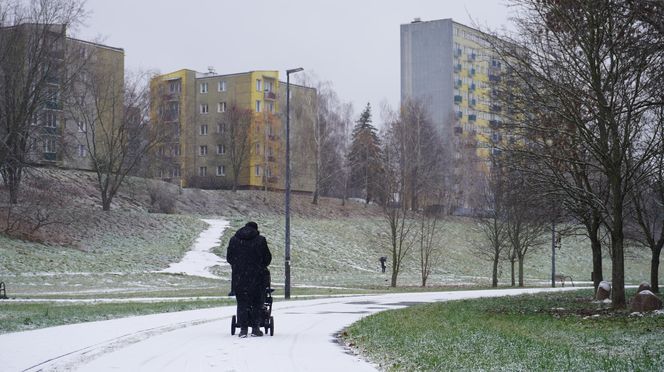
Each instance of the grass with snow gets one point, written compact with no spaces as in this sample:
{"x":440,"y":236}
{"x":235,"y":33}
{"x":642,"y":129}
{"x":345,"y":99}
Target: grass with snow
{"x":16,"y":317}
{"x":552,"y":331}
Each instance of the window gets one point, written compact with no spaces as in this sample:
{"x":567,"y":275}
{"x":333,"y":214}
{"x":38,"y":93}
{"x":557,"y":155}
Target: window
{"x":221,"y":128}
{"x":174,"y":86}
{"x":82,"y":127}
{"x":82,"y":151}
{"x":221,"y":86}
{"x":258,"y":148}
{"x":175,"y":172}
{"x":258,"y":170}
{"x":175,"y":150}
{"x":271,"y":106}
{"x":202,"y":171}
{"x":268,"y":85}
{"x":221,"y":107}
{"x":203,"y":150}
{"x":49,"y":145}
{"x":160,"y":151}
{"x":221,"y":170}
{"x":51,"y":119}
{"x":161,"y":173}
{"x":258,"y":85}
{"x":204,"y":87}
{"x":221,"y":149}
{"x":204,"y":130}
{"x":204,"y":108}
{"x":258,"y":106}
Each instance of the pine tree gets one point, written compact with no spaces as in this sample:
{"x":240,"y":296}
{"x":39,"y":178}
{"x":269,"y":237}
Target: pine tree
{"x":364,"y":157}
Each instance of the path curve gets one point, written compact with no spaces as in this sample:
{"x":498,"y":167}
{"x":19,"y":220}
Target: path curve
{"x":200,"y":340}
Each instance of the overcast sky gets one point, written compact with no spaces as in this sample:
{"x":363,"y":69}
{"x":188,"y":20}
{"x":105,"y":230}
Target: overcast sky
{"x":352,"y":43}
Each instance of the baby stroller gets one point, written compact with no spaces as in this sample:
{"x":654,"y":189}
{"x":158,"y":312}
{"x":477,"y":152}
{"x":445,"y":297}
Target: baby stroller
{"x":267,"y":321}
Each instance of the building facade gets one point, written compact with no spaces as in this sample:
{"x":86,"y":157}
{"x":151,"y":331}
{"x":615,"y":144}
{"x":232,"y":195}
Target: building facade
{"x":450,"y":68}
{"x":199,"y":109}
{"x":61,"y":70}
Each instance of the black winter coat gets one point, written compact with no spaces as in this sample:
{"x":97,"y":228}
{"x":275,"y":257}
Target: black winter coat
{"x":249,"y":257}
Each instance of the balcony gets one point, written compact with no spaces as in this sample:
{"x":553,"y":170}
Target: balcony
{"x":273,"y":179}
{"x":472,"y":117}
{"x":458,"y":99}
{"x":458,"y":130}
{"x":271,"y":158}
{"x":270,"y":96}
{"x":273,"y":137}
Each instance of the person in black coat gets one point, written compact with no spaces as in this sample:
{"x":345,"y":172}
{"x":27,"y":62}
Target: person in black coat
{"x":249,"y":257}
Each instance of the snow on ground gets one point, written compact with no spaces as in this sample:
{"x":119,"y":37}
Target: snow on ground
{"x":199,"y":259}
{"x":200,"y":340}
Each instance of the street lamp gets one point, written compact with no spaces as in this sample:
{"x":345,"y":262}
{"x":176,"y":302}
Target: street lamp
{"x":287,"y":256}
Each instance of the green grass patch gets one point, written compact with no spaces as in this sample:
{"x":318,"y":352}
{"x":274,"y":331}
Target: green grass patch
{"x":555,"y":331}
{"x":16,"y":317}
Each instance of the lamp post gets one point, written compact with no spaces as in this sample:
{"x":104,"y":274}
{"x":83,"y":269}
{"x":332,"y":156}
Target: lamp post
{"x":287,"y":255}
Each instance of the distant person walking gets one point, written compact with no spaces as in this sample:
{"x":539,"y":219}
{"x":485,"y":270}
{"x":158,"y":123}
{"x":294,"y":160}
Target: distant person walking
{"x":382,"y":262}
{"x":249,"y":257}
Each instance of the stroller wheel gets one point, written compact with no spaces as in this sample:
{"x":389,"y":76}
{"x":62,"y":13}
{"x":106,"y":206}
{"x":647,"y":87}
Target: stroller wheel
{"x":271,"y":326}
{"x":233,"y":325}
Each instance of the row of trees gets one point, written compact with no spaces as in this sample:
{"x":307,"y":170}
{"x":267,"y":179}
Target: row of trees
{"x":584,"y":84}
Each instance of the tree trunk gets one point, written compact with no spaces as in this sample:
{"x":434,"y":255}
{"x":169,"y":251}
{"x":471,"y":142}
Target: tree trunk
{"x":315,"y":199}
{"x":654,"y":269}
{"x":521,"y":284}
{"x":596,"y":247}
{"x":105,"y":203}
{"x":494,"y":274}
{"x":512,"y":272}
{"x":617,"y":246}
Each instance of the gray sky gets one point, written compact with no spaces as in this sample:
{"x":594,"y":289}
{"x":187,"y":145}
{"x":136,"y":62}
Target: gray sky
{"x":353,"y":44}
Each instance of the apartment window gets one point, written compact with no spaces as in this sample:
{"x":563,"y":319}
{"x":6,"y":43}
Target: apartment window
{"x":161,"y":151}
{"x":204,"y":108}
{"x":203,"y":150}
{"x":221,"y":149}
{"x":82,"y":151}
{"x":49,"y":145}
{"x":82,"y":126}
{"x":175,"y":150}
{"x":202,"y":171}
{"x":204,"y":130}
{"x":204,"y":87}
{"x":161,"y":173}
{"x":221,"y":86}
{"x":51,"y":119}
{"x":271,"y":106}
{"x":268,"y":85}
{"x":221,"y":170}
{"x":174,"y":86}
{"x":258,"y":106}
{"x":258,"y":85}
{"x":175,"y":172}
{"x":221,"y":107}
{"x":258,"y":170}
{"x":258,"y":148}
{"x":221,"y":128}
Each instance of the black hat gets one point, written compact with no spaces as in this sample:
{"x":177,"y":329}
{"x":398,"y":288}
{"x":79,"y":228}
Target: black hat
{"x":252,"y":224}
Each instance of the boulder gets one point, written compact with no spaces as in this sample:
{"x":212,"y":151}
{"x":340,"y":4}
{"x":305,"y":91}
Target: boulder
{"x":645,"y":301}
{"x":644,"y":286}
{"x":603,"y":291}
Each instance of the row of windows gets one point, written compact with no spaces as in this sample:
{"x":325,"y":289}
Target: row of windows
{"x":175,"y":172}
{"x":221,"y":86}
{"x":203,"y":130}
{"x":203,"y":150}
{"x":221,"y":171}
{"x":221,"y":107}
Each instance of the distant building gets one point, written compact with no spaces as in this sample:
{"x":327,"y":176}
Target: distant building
{"x":193,"y":105}
{"x":59,"y":134}
{"x":450,"y":68}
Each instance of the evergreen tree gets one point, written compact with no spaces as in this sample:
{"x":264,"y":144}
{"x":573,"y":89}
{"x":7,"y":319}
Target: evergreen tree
{"x":364,"y":157}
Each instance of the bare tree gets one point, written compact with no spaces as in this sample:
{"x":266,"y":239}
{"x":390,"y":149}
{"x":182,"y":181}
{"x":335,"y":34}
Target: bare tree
{"x":35,"y":71}
{"x":114,"y":113}
{"x":236,"y":122}
{"x":492,"y":219}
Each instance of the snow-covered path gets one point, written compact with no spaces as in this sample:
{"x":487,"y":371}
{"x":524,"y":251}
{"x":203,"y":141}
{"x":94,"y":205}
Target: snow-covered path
{"x":199,"y":259}
{"x":200,"y":340}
